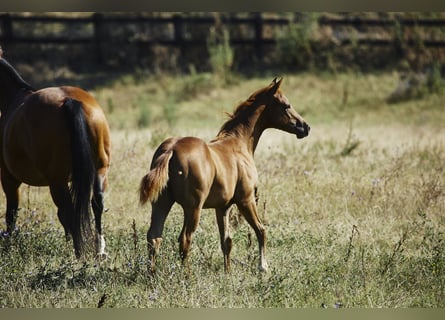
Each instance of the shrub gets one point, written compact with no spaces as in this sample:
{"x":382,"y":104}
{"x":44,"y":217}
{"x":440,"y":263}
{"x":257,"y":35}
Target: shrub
{"x":144,"y":113}
{"x":294,"y":44}
{"x":220,"y":52}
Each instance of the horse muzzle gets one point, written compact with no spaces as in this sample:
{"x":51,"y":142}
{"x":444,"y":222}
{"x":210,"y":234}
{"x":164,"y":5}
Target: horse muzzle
{"x":302,"y":130}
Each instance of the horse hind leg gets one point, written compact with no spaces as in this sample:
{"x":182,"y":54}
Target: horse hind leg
{"x":97,"y":204}
{"x":62,"y":199}
{"x":160,"y":209}
{"x":191,"y":221}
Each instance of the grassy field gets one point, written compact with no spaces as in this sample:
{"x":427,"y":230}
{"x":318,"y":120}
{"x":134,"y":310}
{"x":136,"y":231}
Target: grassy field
{"x":354,"y":212}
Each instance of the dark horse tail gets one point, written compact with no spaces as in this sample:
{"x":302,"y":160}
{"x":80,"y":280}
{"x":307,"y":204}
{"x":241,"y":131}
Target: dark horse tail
{"x":82,"y":175}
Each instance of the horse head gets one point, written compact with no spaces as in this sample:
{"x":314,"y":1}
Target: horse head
{"x":279,"y":112}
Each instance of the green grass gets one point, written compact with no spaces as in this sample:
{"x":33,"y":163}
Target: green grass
{"x":354,"y":213}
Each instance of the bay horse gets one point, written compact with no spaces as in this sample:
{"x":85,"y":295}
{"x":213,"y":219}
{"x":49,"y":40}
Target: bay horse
{"x":57,"y":137}
{"x":199,"y":175}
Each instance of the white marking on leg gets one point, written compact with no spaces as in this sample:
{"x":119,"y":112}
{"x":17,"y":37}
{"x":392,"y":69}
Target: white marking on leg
{"x":100,"y":245}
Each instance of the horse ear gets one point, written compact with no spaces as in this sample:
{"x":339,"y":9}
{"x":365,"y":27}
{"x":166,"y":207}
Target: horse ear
{"x":275,"y":85}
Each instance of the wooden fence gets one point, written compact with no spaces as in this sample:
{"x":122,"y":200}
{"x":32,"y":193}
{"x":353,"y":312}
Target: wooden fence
{"x":178,"y":30}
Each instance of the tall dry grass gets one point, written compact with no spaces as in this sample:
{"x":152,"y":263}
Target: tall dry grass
{"x":354,"y":212}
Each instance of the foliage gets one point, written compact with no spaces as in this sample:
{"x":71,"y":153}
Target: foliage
{"x":133,"y":43}
{"x":418,"y":85}
{"x":295,"y":45}
{"x":193,"y":85}
{"x":221,"y":54}
{"x":144,"y":115}
{"x":435,"y":81}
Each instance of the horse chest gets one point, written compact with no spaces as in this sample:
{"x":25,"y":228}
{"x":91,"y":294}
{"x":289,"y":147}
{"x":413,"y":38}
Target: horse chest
{"x":238,"y":182}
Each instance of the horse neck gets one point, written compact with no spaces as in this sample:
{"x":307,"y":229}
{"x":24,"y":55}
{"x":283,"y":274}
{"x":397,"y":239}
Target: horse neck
{"x":10,"y":98}
{"x":12,"y":86}
{"x":246,"y":128}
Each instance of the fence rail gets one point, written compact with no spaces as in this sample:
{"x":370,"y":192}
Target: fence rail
{"x":99,"y":32}
{"x":97,"y":20}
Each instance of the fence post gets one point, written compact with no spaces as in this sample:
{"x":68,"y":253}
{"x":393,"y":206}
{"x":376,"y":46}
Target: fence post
{"x":7,"y":32}
{"x":98,"y":27}
{"x":258,"y":23}
{"x":178,"y":24}
{"x":399,"y":37}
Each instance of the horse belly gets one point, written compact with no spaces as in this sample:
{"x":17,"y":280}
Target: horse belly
{"x":220,"y":195}
{"x":194,"y":195}
{"x":33,"y":157}
{"x":219,"y":201}
{"x":23,"y":169}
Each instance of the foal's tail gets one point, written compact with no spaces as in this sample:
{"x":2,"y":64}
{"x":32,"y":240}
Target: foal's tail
{"x":82,"y":175}
{"x":156,"y":180}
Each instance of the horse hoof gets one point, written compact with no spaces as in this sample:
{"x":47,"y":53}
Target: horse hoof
{"x":102,"y":256}
{"x":263,"y":268}
{"x":151,"y":271}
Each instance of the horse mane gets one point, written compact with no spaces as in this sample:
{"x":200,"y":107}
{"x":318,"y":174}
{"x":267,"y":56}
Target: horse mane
{"x":15,"y":75}
{"x":237,"y":116}
{"x":240,"y":116}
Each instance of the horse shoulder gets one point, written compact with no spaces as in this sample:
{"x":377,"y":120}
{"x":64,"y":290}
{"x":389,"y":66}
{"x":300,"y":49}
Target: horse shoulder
{"x":247,"y":176}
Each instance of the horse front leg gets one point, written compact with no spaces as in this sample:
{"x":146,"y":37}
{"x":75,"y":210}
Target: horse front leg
{"x":191,"y":221}
{"x":222,"y":217}
{"x":11,"y":189}
{"x":249,"y":211}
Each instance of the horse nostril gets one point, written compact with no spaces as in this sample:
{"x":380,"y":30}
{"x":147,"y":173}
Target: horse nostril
{"x":307,"y":127}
